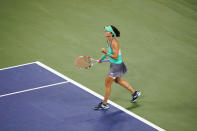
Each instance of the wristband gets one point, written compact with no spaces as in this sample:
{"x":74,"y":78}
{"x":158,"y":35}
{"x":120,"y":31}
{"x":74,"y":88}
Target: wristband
{"x":109,"y":54}
{"x":103,"y":57}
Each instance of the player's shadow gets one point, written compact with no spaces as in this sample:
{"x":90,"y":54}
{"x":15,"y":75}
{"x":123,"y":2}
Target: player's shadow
{"x":134,"y":105}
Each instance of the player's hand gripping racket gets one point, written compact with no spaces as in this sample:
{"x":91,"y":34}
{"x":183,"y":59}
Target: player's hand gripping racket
{"x":85,"y":62}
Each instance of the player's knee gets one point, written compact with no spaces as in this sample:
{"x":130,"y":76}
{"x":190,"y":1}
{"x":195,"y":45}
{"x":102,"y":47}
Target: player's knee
{"x":108,"y":82}
{"x":117,"y":80}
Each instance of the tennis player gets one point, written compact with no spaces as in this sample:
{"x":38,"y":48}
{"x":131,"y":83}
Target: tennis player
{"x":117,"y":67}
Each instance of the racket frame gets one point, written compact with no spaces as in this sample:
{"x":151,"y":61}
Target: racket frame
{"x":92,"y":62}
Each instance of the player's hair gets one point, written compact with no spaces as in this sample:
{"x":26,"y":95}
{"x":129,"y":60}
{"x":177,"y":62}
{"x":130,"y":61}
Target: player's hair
{"x":116,"y":31}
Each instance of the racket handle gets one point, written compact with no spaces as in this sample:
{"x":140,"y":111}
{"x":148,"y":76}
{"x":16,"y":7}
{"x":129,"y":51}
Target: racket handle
{"x":107,"y":60}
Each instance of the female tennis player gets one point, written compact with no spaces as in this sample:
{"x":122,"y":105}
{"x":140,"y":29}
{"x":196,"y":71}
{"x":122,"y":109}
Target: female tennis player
{"x":117,"y":67}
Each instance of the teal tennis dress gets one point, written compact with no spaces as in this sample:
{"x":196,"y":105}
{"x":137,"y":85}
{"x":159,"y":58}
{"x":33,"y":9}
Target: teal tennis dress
{"x":117,"y":66}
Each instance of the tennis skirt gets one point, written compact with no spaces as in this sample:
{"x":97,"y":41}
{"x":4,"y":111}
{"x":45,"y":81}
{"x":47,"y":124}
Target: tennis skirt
{"x":117,"y":70}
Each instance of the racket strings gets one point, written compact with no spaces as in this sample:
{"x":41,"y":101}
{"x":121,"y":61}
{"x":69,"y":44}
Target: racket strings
{"x":83,"y":62}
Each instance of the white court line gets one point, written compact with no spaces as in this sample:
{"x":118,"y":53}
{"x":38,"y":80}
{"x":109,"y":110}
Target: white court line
{"x":17,"y":66}
{"x":101,"y":97}
{"x":41,"y":87}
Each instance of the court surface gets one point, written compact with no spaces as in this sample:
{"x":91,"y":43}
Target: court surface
{"x":35,"y":97}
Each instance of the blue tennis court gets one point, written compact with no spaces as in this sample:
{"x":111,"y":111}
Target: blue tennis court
{"x":35,"y":97}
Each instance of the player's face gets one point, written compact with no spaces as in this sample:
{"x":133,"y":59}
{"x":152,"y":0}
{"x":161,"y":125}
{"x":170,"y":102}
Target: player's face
{"x":107,"y":34}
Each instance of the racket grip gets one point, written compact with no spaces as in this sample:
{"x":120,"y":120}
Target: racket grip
{"x":107,"y":60}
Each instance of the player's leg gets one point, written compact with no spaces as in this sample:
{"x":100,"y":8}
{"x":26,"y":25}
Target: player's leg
{"x":103,"y":104}
{"x":126,"y":85}
{"x":108,"y":83}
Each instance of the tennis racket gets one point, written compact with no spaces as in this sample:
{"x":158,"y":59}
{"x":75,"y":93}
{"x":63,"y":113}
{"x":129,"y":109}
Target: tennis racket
{"x":85,"y":62}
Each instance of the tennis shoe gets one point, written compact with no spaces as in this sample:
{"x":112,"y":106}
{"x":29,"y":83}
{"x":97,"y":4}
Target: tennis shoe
{"x":101,"y":106}
{"x":135,"y":96}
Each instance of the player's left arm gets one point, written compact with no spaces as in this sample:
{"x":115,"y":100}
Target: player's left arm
{"x":115,"y":47}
